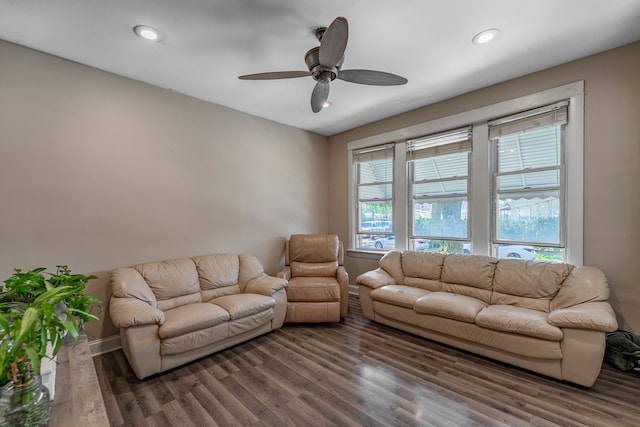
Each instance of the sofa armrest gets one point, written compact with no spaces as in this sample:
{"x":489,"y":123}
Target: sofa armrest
{"x":285,"y":273}
{"x":598,"y":316}
{"x":375,"y":278}
{"x":265,"y":285}
{"x":128,"y":312}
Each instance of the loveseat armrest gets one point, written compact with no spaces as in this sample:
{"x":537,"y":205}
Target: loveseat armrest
{"x":128,"y":312}
{"x":265,"y":285}
{"x":598,"y":316}
{"x":285,"y":273}
{"x":375,"y":278}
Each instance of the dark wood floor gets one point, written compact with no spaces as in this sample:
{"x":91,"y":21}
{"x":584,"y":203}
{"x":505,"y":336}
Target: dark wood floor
{"x":357,"y":373}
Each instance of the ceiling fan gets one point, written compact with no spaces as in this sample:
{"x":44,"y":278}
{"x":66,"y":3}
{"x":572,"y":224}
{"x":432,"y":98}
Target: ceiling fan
{"x":325,"y":62}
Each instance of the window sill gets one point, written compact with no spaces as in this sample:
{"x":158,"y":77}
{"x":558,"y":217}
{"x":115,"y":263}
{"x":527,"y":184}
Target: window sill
{"x":359,"y":253}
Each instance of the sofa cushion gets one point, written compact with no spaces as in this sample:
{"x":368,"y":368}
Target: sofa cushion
{"x":532,"y":279}
{"x":425,"y":265}
{"x":170,"y":280}
{"x":584,"y":284}
{"x":400,"y":295}
{"x":528,"y":284}
{"x":469,"y":270}
{"x":427,"y":284}
{"x":128,"y":283}
{"x":218,"y":271}
{"x":193,"y":317}
{"x":455,"y":332}
{"x":243,"y":305}
{"x":518,"y":320}
{"x":451,"y":306}
{"x":309,"y":289}
{"x":391,"y":262}
{"x":250,"y":323}
{"x":193,"y":340}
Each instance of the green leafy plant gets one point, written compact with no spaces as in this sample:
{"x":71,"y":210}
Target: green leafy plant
{"x":39,"y":308}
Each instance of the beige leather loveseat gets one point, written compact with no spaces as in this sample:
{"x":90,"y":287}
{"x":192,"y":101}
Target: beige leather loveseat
{"x":175,"y":311}
{"x":550,"y":318}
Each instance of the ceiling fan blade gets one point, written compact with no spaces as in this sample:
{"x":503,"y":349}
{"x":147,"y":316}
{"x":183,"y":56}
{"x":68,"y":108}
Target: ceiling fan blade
{"x":319,"y":96}
{"x":371,"y":77}
{"x":275,"y":75}
{"x":334,"y":42}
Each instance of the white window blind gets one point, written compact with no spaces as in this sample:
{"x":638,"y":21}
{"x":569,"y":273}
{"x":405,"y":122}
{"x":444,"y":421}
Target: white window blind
{"x":451,"y":142}
{"x":540,"y":117}
{"x":373,"y":153}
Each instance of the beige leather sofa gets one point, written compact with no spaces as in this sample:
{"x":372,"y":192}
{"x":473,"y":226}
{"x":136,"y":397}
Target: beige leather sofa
{"x":175,"y":311}
{"x":318,"y":284}
{"x":550,"y":318}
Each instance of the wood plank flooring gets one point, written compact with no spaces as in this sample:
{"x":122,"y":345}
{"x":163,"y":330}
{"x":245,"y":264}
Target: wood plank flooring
{"x":357,"y":373}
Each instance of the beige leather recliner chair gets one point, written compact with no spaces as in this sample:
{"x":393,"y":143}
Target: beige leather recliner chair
{"x":317,"y":289}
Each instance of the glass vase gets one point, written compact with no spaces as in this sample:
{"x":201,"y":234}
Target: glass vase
{"x":25,"y":405}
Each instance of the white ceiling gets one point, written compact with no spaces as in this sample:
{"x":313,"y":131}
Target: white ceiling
{"x":207,"y":44}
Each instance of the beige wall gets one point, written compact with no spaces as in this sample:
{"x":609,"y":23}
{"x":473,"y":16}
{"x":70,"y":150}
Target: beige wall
{"x":612,"y":159}
{"x":98,"y":171}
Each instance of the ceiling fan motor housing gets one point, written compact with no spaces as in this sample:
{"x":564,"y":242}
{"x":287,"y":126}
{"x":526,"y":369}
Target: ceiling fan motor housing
{"x":320,"y":73}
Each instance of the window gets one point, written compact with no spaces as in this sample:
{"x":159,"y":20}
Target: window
{"x":439,"y":181}
{"x":373,"y":169}
{"x":471,"y":183}
{"x":528,"y":207}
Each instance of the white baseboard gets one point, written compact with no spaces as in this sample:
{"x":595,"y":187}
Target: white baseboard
{"x":105,"y":345}
{"x":353,"y":289}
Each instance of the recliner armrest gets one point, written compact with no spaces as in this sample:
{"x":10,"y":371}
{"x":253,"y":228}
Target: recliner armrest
{"x":597,"y":316}
{"x":375,"y":278}
{"x":265,"y":285}
{"x":128,"y":312}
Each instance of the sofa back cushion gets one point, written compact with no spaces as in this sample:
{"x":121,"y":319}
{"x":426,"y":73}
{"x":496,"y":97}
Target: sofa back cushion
{"x":218,"y":275}
{"x":422,"y":269}
{"x":470,"y":275}
{"x":173,"y":282}
{"x":584,"y":284}
{"x":528,"y":284}
{"x":391,"y":262}
{"x":128,"y":283}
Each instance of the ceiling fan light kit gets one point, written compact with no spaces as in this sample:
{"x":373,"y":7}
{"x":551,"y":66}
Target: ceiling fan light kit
{"x":324,"y":63}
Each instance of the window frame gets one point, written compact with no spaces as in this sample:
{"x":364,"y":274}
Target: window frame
{"x":480,"y":201}
{"x":561,"y":188}
{"x":412,"y":182}
{"x":357,"y":185}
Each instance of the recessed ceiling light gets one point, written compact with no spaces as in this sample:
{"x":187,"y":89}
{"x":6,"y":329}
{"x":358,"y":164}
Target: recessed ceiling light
{"x":486,"y":36}
{"x":147,"y":33}
{"x":326,"y":104}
